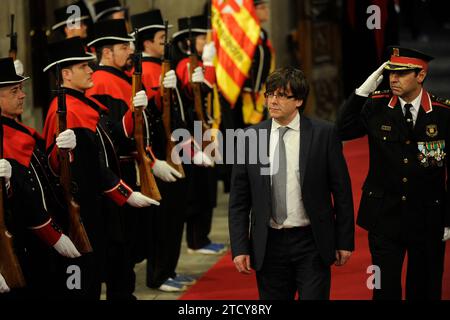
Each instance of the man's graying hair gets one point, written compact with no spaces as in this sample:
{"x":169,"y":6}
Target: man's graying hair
{"x":290,"y":77}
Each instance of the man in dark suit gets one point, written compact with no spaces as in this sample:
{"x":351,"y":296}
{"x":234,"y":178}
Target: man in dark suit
{"x":298,"y":207}
{"x":404,"y":204}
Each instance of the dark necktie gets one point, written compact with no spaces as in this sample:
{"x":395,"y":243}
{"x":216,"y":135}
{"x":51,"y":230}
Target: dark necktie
{"x":409,"y":117}
{"x":279,"y":181}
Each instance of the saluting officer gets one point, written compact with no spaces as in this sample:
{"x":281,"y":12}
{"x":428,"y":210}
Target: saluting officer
{"x":405,"y":201}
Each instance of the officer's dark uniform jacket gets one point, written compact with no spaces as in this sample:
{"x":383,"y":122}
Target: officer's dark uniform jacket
{"x":405,"y":195}
{"x":33,"y":205}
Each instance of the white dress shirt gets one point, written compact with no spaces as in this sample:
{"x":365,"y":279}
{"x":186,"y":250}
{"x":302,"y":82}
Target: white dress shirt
{"x":296,"y":213}
{"x":416,"y":106}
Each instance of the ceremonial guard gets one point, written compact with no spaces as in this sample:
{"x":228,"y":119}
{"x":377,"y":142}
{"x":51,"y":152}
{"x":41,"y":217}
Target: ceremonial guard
{"x":95,"y":167}
{"x":191,"y":39}
{"x":113,"y":87}
{"x":167,"y":223}
{"x":34,"y":212}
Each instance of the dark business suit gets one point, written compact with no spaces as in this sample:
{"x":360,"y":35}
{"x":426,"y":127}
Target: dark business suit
{"x":327,"y":198}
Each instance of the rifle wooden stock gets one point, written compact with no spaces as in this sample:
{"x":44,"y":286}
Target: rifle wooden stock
{"x":147,"y":180}
{"x":76,"y":231}
{"x":209,"y":102}
{"x":216,"y":119}
{"x":9,"y":264}
{"x":198,"y":103}
{"x":166,"y":118}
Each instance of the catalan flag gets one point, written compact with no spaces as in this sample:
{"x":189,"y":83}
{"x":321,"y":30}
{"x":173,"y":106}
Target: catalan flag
{"x":236,"y":35}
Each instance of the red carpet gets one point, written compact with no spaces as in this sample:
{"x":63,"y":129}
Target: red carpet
{"x":223,"y":282}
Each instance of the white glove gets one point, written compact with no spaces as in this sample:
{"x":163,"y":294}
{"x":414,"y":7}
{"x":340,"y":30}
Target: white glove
{"x":5,"y":170}
{"x":66,"y":248}
{"x":66,"y":140}
{"x":209,"y":52}
{"x":138,"y":200}
{"x":372,"y":82}
{"x":446,"y":234}
{"x":140,"y":99}
{"x":197,"y":75}
{"x":170,"y":80}
{"x":201,"y":159}
{"x":165,"y":171}
{"x":3,"y":286}
{"x":18,"y":65}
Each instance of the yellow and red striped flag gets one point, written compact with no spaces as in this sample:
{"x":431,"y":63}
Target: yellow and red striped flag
{"x":236,"y":35}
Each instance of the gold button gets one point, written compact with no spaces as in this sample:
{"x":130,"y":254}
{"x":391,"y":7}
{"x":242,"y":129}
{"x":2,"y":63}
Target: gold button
{"x":408,"y":142}
{"x":405,"y":180}
{"x":404,"y":198}
{"x":384,"y":138}
{"x":405,"y":161}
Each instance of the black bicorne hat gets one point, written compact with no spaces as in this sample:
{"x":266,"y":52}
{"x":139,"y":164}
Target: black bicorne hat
{"x":65,"y":15}
{"x":198,"y":24}
{"x":8,"y":75}
{"x":107,"y":7}
{"x":257,"y":2}
{"x":67,"y":52}
{"x":148,"y":20}
{"x":109,"y":32}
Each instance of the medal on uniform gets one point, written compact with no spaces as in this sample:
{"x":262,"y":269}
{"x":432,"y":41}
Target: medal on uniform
{"x":440,"y":153}
{"x":431,"y":153}
{"x":422,"y":156}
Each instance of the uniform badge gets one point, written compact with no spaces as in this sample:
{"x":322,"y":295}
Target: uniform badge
{"x":386,"y":128}
{"x":431,"y":130}
{"x":396,"y":52}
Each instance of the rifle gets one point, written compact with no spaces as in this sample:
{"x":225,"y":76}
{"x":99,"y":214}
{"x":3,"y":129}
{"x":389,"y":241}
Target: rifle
{"x":212,"y":107}
{"x":166,"y":94}
{"x":193,"y":63}
{"x":13,"y":40}
{"x":77,"y":232}
{"x":198,"y":103}
{"x":9,"y":264}
{"x":147,"y":180}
